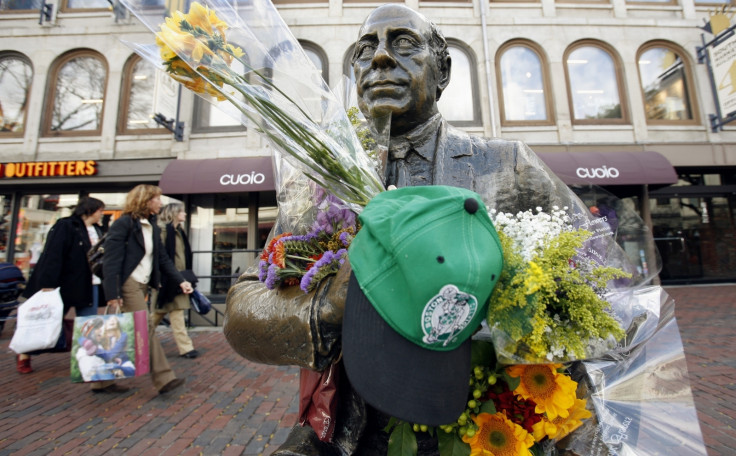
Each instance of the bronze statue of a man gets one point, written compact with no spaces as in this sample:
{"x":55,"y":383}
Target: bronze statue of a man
{"x":401,"y":66}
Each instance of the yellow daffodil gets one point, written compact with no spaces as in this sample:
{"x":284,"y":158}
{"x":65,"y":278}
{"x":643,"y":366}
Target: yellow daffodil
{"x":560,"y":427}
{"x":498,"y":436}
{"x":553,"y":393}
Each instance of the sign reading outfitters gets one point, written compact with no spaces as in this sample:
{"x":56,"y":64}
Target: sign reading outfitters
{"x":221,"y":175}
{"x":68,"y":168}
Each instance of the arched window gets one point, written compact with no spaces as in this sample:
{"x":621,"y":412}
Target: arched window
{"x":459,"y":101}
{"x":594,"y":85}
{"x":145,"y":92}
{"x":666,"y":84}
{"x":318,"y":58}
{"x":76,"y":96}
{"x":211,"y":115}
{"x":16,"y":75}
{"x":524,"y":85}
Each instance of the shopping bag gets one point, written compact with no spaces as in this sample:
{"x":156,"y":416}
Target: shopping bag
{"x":63,"y":343}
{"x":110,"y":347}
{"x":39,"y":322}
{"x":318,"y":400}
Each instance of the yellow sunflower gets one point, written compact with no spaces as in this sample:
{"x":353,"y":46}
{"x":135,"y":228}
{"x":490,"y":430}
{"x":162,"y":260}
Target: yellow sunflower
{"x":560,"y":427}
{"x":553,"y":393}
{"x":497,"y":436}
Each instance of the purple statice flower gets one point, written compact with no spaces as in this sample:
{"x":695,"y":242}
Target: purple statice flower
{"x":272,"y":277}
{"x":326,"y":265}
{"x":346,"y":238}
{"x":262,"y":270}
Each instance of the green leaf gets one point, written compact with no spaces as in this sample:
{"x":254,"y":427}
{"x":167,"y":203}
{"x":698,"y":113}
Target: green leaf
{"x":402,"y":441}
{"x":392,"y":421}
{"x":512,"y":382}
{"x":452,"y":445}
{"x":488,"y":407}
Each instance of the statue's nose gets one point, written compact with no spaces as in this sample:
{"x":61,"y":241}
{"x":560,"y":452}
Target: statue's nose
{"x":382,"y":57}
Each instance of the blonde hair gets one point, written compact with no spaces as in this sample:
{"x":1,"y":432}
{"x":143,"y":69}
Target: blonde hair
{"x":136,"y":202}
{"x":169,"y":213}
{"x":112,"y":329}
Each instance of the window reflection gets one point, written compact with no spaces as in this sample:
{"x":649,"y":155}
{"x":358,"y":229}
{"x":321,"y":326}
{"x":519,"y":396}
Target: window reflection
{"x":458,"y":99}
{"x":218,"y":235}
{"x":213,"y":115}
{"x":593,"y":84}
{"x":15,"y":85}
{"x":79,"y":95}
{"x":9,"y":5}
{"x":523,"y":85}
{"x":151,"y":92}
{"x":664,"y":85}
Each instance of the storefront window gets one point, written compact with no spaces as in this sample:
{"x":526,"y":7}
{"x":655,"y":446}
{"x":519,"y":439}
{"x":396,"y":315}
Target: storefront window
{"x":13,"y":5}
{"x":37,"y":215}
{"x":218,"y":234}
{"x":694,"y":229}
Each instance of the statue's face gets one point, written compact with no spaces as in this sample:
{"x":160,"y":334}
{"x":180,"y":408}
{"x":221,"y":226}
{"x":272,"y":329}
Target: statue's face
{"x":395,"y":68}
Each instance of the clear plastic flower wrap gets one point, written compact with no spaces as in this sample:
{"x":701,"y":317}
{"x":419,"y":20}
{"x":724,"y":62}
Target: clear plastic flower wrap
{"x":247,"y":57}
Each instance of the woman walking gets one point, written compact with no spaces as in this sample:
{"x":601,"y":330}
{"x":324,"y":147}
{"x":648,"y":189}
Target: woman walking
{"x":170,"y":299}
{"x":63,"y":264}
{"x":134,"y":264}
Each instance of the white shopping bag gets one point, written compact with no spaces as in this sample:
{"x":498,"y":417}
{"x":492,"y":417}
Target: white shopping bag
{"x":39,"y":322}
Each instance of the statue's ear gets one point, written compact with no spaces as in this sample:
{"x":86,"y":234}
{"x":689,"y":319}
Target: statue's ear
{"x":444,"y":64}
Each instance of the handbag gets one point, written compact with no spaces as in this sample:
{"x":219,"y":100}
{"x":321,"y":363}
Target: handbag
{"x":110,"y":347}
{"x":318,"y":400}
{"x":200,"y":303}
{"x":95,"y":256}
{"x":39,"y":322}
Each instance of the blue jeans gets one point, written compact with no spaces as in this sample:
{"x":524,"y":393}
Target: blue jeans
{"x":87,"y":311}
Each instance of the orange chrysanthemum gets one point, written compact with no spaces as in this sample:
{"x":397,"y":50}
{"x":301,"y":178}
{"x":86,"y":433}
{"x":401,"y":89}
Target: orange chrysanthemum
{"x":497,"y":436}
{"x":553,"y":393}
{"x":560,"y":427}
{"x":279,"y":255}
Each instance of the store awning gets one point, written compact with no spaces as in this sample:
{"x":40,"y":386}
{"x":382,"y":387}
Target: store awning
{"x":611,"y":168}
{"x":220,"y":175}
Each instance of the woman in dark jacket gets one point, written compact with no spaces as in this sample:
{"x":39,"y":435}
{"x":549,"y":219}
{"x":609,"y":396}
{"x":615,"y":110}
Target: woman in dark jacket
{"x":170,"y":299}
{"x":63,"y":264}
{"x":134,"y":263}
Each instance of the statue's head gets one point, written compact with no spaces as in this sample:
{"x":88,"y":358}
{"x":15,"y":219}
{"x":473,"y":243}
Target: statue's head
{"x":401,"y":66}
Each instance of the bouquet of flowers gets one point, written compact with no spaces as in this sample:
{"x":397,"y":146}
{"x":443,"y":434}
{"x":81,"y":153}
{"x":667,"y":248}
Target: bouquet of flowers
{"x":511,"y":410}
{"x":195,"y":49}
{"x":305,"y":260}
{"x":549,"y":304}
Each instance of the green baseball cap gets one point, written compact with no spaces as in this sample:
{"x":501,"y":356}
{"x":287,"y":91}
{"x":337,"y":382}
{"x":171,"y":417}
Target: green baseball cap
{"x":424,"y":265}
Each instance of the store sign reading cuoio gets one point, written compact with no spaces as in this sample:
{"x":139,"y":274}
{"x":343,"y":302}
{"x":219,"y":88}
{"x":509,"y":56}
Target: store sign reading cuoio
{"x":68,"y":168}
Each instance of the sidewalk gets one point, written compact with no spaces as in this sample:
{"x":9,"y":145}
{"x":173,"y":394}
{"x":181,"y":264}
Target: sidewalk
{"x":230,"y":406}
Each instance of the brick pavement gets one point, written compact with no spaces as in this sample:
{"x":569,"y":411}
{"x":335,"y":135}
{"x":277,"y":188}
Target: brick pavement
{"x":230,"y":406}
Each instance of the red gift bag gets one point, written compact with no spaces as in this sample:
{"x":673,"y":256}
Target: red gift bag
{"x":318,"y":400}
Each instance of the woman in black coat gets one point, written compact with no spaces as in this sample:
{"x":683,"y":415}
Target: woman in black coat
{"x":134,"y":263}
{"x":63,"y":264}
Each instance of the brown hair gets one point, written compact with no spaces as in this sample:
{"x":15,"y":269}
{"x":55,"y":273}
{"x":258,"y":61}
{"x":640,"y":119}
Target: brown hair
{"x":136,"y":202}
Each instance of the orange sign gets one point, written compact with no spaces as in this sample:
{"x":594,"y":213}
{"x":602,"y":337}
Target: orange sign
{"x":48,"y":169}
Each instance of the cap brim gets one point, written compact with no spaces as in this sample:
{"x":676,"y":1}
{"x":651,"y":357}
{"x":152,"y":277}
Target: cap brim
{"x":396,"y":376}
